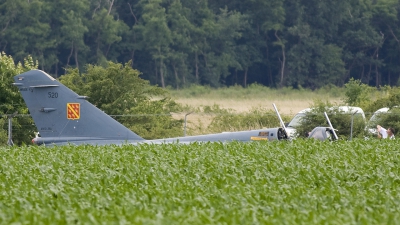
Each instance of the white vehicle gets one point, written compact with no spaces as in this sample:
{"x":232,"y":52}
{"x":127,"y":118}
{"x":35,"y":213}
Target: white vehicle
{"x":373,"y":121}
{"x":296,"y":121}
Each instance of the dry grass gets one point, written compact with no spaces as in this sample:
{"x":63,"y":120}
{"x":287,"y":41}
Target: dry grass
{"x":244,"y":100}
{"x":198,"y":122}
{"x":285,"y":106}
{"x":290,"y":107}
{"x":289,"y":101}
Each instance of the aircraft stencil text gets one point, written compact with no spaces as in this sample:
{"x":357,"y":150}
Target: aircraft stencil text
{"x":52,"y":94}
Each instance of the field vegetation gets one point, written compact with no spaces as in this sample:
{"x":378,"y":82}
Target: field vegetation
{"x":298,"y":182}
{"x":238,"y":108}
{"x":255,"y":91}
{"x":240,"y":99}
{"x":153,"y":112}
{"x":233,"y":107}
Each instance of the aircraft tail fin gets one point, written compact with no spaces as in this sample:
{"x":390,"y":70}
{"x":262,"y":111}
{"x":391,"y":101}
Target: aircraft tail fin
{"x":61,"y":113}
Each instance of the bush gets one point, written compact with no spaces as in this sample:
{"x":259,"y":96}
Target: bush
{"x":340,"y":121}
{"x":118,"y":90}
{"x":11,"y":100}
{"x":257,"y":118}
{"x":357,"y":93}
{"x":3,"y":132}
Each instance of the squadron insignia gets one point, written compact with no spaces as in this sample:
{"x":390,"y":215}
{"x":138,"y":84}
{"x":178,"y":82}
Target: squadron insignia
{"x":73,"y":111}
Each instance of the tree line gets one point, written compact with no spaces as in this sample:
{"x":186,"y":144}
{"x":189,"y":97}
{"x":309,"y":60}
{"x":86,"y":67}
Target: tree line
{"x":307,"y":43}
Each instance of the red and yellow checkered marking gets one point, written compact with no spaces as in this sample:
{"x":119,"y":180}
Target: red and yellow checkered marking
{"x":73,"y":111}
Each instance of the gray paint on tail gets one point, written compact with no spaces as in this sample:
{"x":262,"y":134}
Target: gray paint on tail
{"x":47,"y":101}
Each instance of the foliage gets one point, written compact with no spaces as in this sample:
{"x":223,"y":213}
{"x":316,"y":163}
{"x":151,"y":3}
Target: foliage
{"x":340,"y":121}
{"x":390,"y":99}
{"x":11,"y":100}
{"x":3,"y":134}
{"x":256,"y":118}
{"x":386,"y":97}
{"x":389,"y":119}
{"x":153,"y":119}
{"x":357,"y":93}
{"x":218,"y":43}
{"x":119,"y":90}
{"x":212,"y":183}
{"x":332,"y":90}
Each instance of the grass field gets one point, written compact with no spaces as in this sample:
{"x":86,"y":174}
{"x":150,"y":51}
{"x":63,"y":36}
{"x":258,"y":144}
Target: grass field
{"x":298,"y":182}
{"x":242,"y":100}
{"x":288,"y":106}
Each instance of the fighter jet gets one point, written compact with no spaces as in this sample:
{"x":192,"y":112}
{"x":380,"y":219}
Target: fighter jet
{"x":63,"y":117}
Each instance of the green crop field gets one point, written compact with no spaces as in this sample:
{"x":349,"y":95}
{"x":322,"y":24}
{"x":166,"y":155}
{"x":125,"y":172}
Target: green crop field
{"x":298,"y":182}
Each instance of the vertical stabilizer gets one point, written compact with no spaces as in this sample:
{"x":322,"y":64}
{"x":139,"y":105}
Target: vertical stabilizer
{"x":61,"y":113}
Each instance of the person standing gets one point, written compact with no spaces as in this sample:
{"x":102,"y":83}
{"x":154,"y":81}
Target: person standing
{"x":383,"y":133}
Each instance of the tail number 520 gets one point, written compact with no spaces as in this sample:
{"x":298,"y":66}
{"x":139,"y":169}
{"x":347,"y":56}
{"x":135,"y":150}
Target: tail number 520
{"x":52,"y":94}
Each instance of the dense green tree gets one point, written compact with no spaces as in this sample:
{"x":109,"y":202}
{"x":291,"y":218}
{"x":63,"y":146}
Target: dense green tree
{"x":360,"y":42}
{"x":105,"y":32}
{"x":180,"y":27}
{"x":220,"y":54}
{"x":357,"y":93}
{"x":385,"y":20}
{"x":267,"y":20}
{"x":130,"y":12}
{"x":314,"y":64}
{"x":27,"y":31}
{"x":155,"y":35}
{"x":277,"y":43}
{"x":71,"y":24}
{"x":118,"y":90}
{"x":11,"y":101}
{"x":314,"y":59}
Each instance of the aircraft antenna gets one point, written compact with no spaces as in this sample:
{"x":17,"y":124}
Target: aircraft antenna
{"x":330,"y":124}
